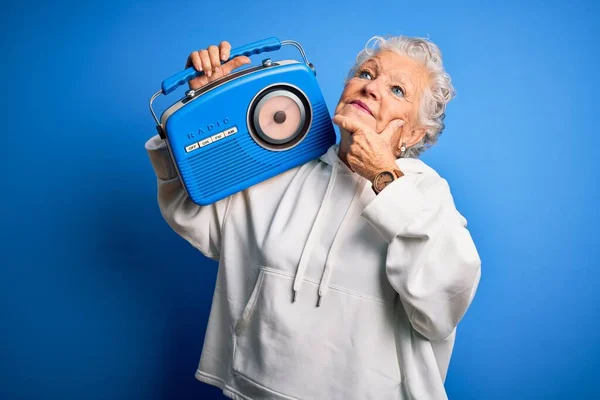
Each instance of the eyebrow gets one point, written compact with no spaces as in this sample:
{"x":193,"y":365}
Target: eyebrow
{"x":376,"y":62}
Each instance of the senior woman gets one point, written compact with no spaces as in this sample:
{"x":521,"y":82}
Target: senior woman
{"x":345,"y":277}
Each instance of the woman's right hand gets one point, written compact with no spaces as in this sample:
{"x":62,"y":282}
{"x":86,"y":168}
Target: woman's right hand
{"x":209,"y":61}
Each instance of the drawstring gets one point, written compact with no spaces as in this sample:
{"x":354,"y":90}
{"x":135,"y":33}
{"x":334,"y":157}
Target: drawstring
{"x":311,"y":236}
{"x":324,"y":284}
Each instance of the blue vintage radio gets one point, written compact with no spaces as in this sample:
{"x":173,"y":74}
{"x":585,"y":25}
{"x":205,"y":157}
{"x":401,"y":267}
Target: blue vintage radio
{"x":246,"y":127}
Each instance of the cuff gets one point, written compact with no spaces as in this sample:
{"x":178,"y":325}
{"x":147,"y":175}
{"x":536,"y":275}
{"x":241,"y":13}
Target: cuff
{"x":395,"y":207}
{"x":160,"y":158}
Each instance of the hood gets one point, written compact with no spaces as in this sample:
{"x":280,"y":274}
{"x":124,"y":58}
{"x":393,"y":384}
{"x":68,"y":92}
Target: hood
{"x":408,"y":166}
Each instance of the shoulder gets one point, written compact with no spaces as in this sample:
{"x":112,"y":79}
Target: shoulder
{"x":424,"y":175}
{"x":428,"y":180}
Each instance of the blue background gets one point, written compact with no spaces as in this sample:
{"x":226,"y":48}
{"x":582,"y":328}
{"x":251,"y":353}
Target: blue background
{"x":99,"y":299}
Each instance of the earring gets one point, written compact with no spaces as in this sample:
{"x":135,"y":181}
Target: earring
{"x":402,"y":149}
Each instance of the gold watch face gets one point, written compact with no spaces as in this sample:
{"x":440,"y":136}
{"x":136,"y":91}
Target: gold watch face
{"x":383,"y":179}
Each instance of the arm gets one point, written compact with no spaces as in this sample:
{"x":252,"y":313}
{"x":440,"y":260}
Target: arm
{"x":431,"y":260}
{"x":200,"y":226}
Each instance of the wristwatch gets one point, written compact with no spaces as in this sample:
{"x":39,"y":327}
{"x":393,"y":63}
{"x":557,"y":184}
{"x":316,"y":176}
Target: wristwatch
{"x":384,"y":178}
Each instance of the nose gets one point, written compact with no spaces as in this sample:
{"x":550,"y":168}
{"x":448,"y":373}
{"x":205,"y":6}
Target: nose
{"x":371,"y":89}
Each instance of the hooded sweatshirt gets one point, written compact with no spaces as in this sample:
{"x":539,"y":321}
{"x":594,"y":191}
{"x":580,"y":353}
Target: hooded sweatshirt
{"x":325,"y":290}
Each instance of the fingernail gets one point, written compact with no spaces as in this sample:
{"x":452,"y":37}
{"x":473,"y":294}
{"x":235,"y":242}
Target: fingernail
{"x":217,"y":69}
{"x":208,"y":73}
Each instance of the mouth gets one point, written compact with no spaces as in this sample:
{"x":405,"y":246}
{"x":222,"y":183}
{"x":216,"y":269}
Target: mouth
{"x":362,"y":106}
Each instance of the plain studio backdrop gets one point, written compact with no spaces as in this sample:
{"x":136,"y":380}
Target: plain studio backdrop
{"x":100,"y":299}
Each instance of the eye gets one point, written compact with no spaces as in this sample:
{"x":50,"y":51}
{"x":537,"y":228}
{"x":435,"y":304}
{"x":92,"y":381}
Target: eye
{"x":397,"y":90}
{"x":364,"y":74}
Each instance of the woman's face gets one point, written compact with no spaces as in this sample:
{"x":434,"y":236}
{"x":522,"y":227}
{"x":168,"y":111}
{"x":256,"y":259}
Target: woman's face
{"x":390,"y":86}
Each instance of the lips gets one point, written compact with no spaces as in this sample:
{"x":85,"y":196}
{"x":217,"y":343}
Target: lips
{"x":363,"y":106}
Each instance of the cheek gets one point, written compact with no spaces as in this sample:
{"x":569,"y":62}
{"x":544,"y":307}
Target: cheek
{"x":351,"y":88}
{"x":392,"y":111}
{"x":349,"y":92}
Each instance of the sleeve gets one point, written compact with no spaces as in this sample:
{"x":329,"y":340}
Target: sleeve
{"x":199,"y":225}
{"x":431,"y":259}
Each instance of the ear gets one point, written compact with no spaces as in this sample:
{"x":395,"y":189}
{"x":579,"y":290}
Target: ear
{"x":416,"y":135}
{"x":411,"y":138}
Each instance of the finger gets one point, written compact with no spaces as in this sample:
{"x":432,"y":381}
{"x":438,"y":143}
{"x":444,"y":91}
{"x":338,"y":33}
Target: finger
{"x":213,"y":54}
{"x":392,"y":128}
{"x":349,"y":124}
{"x":235,"y":63}
{"x":194,"y":60}
{"x":224,"y":49}
{"x":206,"y":66}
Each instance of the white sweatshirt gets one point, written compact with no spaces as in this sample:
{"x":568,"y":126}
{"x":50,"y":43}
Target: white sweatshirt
{"x":324,"y":289}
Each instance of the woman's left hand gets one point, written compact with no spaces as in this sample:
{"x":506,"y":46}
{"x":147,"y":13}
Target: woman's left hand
{"x":369,"y":152}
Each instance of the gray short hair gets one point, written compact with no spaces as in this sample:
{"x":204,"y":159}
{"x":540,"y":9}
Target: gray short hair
{"x":432,"y":108}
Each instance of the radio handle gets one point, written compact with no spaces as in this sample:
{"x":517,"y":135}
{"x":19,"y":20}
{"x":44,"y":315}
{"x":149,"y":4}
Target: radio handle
{"x":261,"y":46}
